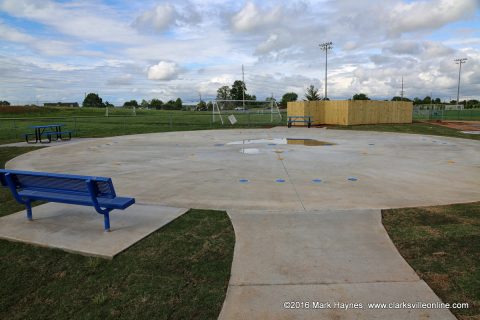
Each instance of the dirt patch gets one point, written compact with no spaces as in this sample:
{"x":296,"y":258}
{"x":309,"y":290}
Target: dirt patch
{"x":459,"y":125}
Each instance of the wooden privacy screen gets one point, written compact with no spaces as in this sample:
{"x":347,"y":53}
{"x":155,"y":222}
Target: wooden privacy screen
{"x":350,"y":112}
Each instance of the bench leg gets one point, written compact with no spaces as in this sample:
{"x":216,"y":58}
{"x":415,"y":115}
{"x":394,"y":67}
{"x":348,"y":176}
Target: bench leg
{"x":28,"y":206}
{"x":106,"y":221}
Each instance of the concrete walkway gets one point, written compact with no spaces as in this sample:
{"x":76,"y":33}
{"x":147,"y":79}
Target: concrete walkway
{"x":325,"y":243}
{"x":329,"y":257}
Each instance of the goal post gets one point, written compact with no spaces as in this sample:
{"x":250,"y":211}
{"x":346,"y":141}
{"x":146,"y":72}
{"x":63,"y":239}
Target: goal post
{"x":250,"y":107}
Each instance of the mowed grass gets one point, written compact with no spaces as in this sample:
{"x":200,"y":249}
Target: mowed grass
{"x":442,"y":244}
{"x":92,"y":122}
{"x":7,"y":202}
{"x":179,"y":272}
{"x":416,"y":127}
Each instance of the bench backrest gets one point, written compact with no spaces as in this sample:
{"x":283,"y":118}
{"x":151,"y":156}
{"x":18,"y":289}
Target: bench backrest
{"x":58,"y":183}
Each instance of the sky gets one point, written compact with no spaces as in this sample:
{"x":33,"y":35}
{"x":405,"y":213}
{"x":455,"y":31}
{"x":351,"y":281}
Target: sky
{"x":59,"y":50}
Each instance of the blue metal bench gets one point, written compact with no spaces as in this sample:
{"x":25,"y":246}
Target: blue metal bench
{"x":97,"y":192}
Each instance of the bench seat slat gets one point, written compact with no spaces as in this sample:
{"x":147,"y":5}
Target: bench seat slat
{"x":111,"y":203}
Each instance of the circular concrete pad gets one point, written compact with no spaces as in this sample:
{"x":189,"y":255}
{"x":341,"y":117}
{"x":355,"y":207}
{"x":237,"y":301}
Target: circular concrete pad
{"x":200,"y":169}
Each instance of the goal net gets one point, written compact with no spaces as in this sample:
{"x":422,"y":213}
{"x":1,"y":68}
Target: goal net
{"x":266,"y":110}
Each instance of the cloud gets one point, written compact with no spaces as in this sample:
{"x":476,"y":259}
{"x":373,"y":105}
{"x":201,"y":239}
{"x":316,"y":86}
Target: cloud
{"x":81,"y":20}
{"x":158,"y":18}
{"x":163,"y":70}
{"x":122,"y":80}
{"x":429,"y":15}
{"x":274,"y":42}
{"x":251,"y":18}
{"x":64,"y":48}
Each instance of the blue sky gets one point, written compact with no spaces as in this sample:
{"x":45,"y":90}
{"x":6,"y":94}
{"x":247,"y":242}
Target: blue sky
{"x":123,"y":50}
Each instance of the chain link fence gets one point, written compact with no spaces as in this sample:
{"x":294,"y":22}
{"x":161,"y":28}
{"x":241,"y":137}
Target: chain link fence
{"x":13,"y":129}
{"x":465,"y":115}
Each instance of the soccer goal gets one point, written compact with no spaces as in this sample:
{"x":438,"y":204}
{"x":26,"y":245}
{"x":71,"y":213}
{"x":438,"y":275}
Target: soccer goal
{"x":250,"y":108}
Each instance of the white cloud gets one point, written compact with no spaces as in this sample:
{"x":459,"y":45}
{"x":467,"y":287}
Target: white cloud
{"x":429,"y":15}
{"x":158,"y":18}
{"x":163,"y":70}
{"x":81,"y":21}
{"x":250,"y":18}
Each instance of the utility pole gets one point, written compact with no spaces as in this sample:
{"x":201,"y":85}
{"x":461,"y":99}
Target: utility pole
{"x":325,"y":47}
{"x":243,"y":88}
{"x":401,"y":92}
{"x":459,"y":62}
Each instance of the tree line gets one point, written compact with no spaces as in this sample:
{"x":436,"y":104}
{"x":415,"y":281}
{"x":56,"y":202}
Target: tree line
{"x":93,"y":100}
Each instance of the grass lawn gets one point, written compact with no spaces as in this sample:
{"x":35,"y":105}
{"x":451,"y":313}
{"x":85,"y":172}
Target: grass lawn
{"x":92,"y":122}
{"x":179,"y":272}
{"x":416,"y":127}
{"x":442,"y":244}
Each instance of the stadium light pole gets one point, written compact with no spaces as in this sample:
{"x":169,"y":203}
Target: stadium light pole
{"x":325,"y":47}
{"x":459,"y":62}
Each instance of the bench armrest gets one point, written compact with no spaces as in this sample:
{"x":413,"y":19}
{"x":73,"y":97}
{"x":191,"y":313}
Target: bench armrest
{"x":93,"y":195}
{"x":13,"y":188}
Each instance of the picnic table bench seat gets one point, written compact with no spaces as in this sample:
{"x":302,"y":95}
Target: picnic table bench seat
{"x":97,"y":192}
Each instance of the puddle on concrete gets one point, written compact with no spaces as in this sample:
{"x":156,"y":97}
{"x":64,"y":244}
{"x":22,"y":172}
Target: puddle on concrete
{"x":250,"y":151}
{"x":280,"y":141}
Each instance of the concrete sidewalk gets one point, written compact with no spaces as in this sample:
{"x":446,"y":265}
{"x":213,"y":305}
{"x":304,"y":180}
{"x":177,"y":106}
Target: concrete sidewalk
{"x":327,"y":256}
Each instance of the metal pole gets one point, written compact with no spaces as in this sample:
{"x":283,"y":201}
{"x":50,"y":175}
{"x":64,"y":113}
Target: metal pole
{"x":326,"y":67}
{"x":243,"y":88}
{"x":459,"y":62}
{"x":325,"y":47}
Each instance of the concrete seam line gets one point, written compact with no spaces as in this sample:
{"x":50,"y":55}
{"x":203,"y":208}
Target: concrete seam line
{"x":293,"y":185}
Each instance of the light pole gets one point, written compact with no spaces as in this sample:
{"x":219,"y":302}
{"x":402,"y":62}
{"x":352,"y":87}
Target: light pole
{"x":325,"y":47}
{"x":459,"y":62}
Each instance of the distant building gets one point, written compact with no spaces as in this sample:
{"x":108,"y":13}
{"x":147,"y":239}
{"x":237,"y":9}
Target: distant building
{"x":62,"y":104}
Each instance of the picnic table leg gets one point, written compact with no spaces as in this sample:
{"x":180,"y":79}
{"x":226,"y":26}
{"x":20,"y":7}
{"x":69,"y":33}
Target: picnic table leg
{"x":106,"y":221}
{"x":28,"y":206}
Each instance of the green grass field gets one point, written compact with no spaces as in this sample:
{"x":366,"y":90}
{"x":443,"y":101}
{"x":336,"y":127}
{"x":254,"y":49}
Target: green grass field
{"x":416,"y":127}
{"x":179,"y":272}
{"x":467,"y":114}
{"x":442,"y":244}
{"x":92,"y":122}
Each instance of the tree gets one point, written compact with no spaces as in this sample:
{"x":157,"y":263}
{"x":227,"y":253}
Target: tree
{"x":210,"y":106}
{"x":427,"y":100}
{"x":360,"y":96}
{"x":178,"y":104}
{"x":131,"y":103}
{"x":144,"y":104}
{"x":223,"y":93}
{"x":169,"y":105}
{"x":312,"y":94}
{"x":156,"y":103}
{"x":238,"y":89}
{"x":4,"y":103}
{"x":397,"y":98}
{"x":109,"y":105}
{"x":288,"y":97}
{"x":92,"y":100}
{"x":202,"y":106}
